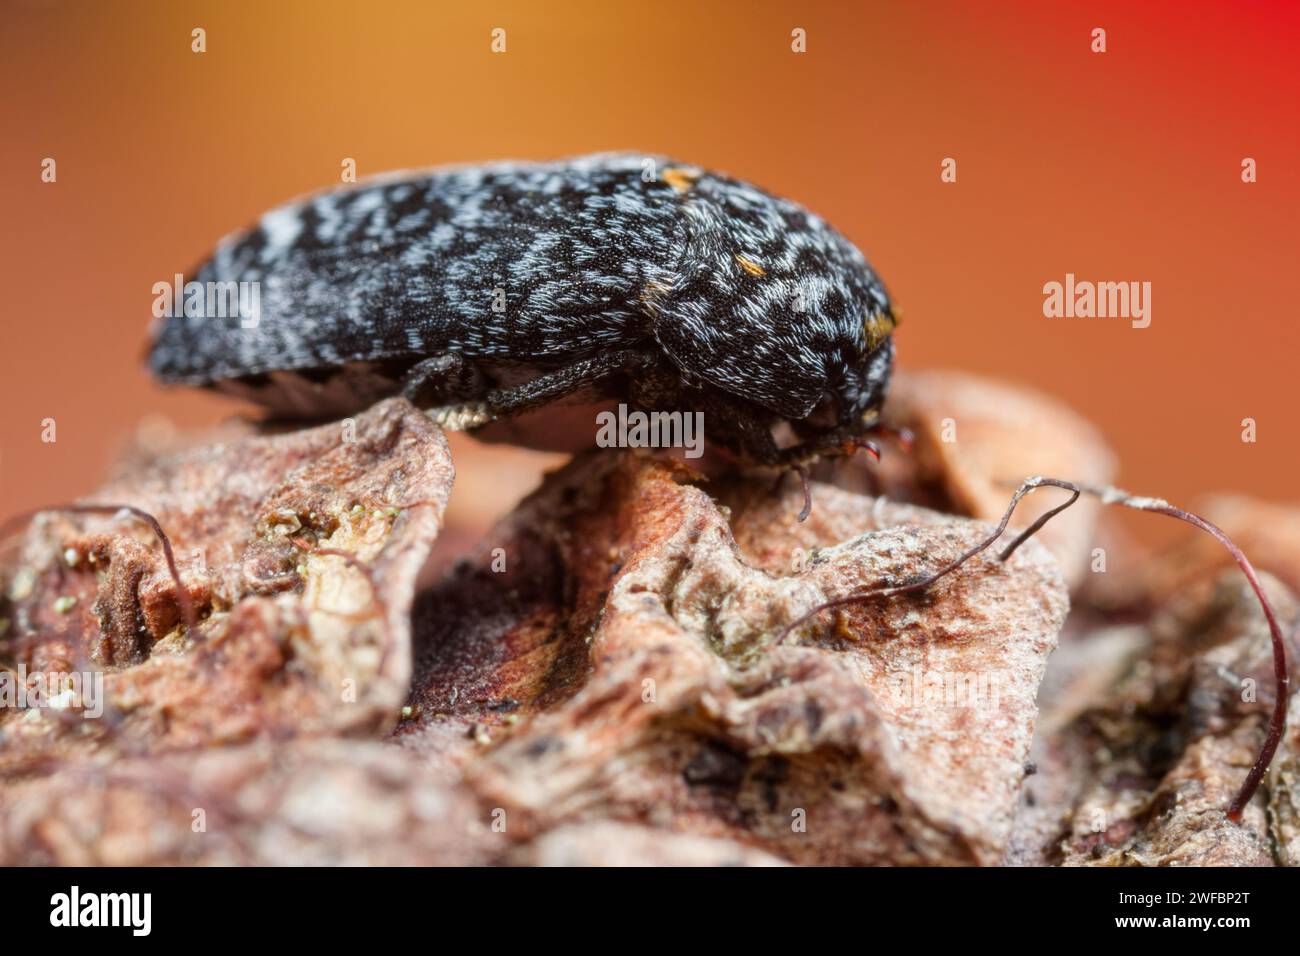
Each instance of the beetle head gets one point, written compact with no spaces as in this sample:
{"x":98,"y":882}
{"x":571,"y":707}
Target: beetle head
{"x":774,"y":307}
{"x":853,"y":397}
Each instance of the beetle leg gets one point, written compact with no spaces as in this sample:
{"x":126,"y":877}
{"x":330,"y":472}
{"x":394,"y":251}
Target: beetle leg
{"x":831,"y":445}
{"x":840,"y":443}
{"x":504,"y":402}
{"x":447,"y":375}
{"x":561,"y":382}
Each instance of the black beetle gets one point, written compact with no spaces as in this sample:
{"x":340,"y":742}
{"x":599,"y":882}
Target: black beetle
{"x":486,"y":291}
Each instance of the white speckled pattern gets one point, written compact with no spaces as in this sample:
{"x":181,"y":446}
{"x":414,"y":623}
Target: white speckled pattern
{"x":740,"y":289}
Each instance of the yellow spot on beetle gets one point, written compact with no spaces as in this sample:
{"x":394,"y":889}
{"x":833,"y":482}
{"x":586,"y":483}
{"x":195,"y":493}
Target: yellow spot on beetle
{"x":651,"y":293}
{"x":876,"y":327}
{"x":681,"y":178}
{"x":753,"y":268}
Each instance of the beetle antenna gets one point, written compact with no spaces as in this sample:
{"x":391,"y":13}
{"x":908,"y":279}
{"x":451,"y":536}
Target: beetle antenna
{"x":1110,"y":495}
{"x":843,"y":448}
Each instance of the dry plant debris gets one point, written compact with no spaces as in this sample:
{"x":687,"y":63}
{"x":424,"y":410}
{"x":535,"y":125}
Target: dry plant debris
{"x":642,"y":681}
{"x":299,"y":552}
{"x":1139,"y":773}
{"x":602,"y":681}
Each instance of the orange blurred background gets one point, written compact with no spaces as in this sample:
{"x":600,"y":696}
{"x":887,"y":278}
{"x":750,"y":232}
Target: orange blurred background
{"x":1117,"y":166}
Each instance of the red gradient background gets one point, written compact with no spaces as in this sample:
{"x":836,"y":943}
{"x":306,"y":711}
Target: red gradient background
{"x":1119,"y":166}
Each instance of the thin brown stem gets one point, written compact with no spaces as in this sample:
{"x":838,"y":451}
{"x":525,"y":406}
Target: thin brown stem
{"x":1108,"y":495}
{"x":182,"y":595}
{"x":802,"y":472}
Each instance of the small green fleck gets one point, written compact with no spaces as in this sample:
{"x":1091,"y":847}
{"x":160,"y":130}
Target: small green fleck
{"x":357,"y":509}
{"x":65,"y":603}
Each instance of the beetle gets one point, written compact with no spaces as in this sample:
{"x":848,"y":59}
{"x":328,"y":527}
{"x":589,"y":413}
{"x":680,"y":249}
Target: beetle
{"x":482,"y":292}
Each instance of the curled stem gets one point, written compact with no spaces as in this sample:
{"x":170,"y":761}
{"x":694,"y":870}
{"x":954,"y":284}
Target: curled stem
{"x":182,"y":595}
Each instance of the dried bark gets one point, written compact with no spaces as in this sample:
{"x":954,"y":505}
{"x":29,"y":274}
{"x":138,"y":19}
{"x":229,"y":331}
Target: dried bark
{"x":300,"y":553}
{"x":627,"y":667}
{"x":310,"y":802}
{"x":1139,"y":774}
{"x":607,"y":680}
